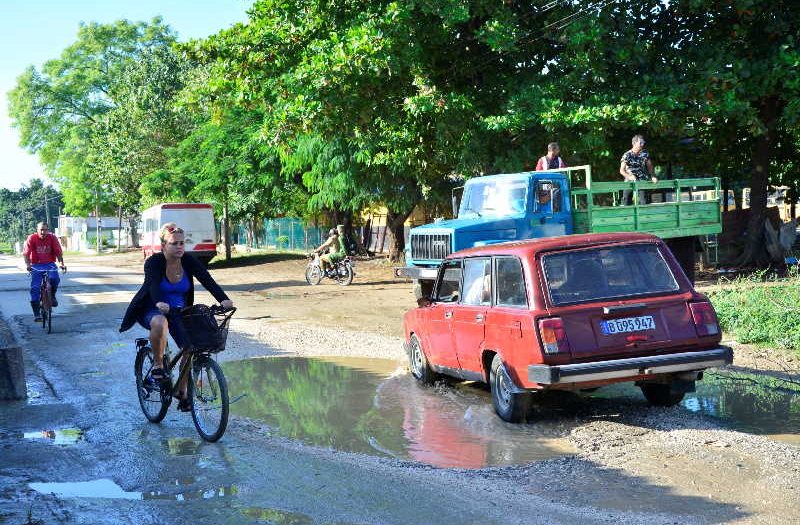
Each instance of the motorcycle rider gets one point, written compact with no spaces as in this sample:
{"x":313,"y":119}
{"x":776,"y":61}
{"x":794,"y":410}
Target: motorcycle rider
{"x":336,"y":251}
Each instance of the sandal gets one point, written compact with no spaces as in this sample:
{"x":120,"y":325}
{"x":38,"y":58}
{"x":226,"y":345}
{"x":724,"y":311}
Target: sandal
{"x":184,"y":404}
{"x":155,"y":378}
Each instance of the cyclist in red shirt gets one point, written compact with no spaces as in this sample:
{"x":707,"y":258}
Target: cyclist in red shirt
{"x":41,"y":252}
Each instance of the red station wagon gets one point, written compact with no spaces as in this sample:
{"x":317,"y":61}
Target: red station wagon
{"x":565,"y":313}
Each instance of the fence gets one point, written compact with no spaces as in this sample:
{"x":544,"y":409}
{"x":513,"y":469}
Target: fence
{"x":291,"y":234}
{"x":283,"y":234}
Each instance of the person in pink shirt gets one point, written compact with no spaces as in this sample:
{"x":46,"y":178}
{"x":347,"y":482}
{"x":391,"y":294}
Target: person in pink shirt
{"x":553,"y":160}
{"x":41,"y":252}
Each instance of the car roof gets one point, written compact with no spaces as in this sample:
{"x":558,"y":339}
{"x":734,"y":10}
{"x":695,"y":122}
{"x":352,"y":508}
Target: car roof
{"x":543,"y":244}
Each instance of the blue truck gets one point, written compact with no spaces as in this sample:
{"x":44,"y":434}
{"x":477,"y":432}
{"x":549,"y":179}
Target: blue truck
{"x":515,"y":206}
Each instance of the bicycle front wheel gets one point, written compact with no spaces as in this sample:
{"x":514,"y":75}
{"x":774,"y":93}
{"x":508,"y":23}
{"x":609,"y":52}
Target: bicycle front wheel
{"x":313,"y":274}
{"x":49,"y":320}
{"x":154,"y":399}
{"x":208,"y":392}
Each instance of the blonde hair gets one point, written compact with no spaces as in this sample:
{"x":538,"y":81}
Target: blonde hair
{"x":168,"y":229}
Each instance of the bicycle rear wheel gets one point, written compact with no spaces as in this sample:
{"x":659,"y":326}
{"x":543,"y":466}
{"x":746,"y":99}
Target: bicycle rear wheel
{"x":49,"y":320}
{"x":154,"y":399}
{"x":208,"y":393}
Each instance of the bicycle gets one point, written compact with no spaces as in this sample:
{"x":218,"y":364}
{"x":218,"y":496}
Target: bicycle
{"x":342,"y":271}
{"x":45,"y":300}
{"x":207,"y":392}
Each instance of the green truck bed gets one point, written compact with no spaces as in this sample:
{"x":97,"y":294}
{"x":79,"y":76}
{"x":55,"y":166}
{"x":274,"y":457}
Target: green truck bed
{"x":696,"y":211}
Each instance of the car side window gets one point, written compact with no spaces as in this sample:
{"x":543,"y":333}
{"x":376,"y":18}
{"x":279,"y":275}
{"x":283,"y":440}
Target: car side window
{"x":477,"y":282}
{"x":509,"y":283}
{"x":449,"y":286}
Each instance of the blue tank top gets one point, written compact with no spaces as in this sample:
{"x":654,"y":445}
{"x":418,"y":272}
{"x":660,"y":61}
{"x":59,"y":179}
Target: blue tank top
{"x":174,"y":293}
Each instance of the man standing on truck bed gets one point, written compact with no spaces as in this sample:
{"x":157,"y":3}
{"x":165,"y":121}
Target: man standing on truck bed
{"x":636,"y":165}
{"x":551,"y":161}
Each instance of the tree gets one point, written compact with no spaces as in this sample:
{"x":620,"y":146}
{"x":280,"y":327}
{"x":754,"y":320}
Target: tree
{"x":21,"y":210}
{"x":58,"y":109}
{"x":132,"y":139}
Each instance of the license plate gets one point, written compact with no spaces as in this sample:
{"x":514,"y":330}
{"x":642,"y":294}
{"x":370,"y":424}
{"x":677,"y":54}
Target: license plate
{"x":628,"y":324}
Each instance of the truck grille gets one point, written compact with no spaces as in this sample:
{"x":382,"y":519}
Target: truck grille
{"x":430,"y":246}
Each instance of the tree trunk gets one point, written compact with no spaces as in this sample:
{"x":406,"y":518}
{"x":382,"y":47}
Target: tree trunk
{"x":395,"y":225}
{"x":119,"y":229}
{"x":134,"y":231}
{"x":754,"y":250}
{"x":226,"y":229}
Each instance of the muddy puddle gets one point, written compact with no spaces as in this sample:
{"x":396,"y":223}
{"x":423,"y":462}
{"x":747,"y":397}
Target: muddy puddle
{"x":373,"y":406}
{"x":756,"y":404}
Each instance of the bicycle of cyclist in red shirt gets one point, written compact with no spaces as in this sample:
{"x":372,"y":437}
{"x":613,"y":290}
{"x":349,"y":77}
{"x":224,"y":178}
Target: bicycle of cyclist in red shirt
{"x":41,"y":252}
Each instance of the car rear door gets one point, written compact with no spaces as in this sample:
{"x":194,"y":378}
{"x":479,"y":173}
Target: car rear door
{"x":617,"y":300}
{"x":509,"y":323}
{"x":470,"y":317}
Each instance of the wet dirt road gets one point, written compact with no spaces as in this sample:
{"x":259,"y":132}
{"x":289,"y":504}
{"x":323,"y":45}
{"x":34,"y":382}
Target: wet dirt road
{"x":347,"y":440}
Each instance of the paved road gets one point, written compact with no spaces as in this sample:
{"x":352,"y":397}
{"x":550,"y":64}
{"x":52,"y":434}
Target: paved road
{"x":126,"y":470}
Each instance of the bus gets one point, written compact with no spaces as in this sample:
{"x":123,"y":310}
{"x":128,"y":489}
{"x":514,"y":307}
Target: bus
{"x":196,"y":220}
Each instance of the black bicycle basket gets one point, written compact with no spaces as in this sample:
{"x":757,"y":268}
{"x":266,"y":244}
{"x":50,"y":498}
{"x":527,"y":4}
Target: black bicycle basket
{"x":207,"y":328}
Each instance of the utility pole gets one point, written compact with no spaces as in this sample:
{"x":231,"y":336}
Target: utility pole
{"x":47,"y":209}
{"x":97,"y":219}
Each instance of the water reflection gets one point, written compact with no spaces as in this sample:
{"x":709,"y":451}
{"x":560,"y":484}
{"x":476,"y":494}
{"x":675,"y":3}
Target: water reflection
{"x":749,"y":403}
{"x":275,"y":516}
{"x":107,"y":489}
{"x":65,"y":436}
{"x":363,"y":406}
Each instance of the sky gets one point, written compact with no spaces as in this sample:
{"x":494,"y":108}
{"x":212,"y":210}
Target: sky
{"x":35,"y":31}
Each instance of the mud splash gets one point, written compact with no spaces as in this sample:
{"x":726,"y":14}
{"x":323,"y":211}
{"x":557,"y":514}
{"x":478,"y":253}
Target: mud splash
{"x":373,"y":406}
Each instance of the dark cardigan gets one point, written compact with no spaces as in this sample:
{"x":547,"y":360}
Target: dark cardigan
{"x":155,"y":268}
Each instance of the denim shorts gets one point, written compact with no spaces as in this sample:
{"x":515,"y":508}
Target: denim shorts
{"x":176,"y":329}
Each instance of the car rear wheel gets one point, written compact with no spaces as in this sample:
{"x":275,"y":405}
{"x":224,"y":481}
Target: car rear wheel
{"x":511,"y":406}
{"x":419,"y":363}
{"x":661,"y":394}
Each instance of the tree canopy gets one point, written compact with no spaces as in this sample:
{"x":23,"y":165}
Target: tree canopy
{"x":332,"y":107}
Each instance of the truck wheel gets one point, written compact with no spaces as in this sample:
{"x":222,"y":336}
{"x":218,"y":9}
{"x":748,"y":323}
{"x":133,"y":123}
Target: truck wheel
{"x":510,"y":406}
{"x":418,"y":363}
{"x":683,"y":248}
{"x":422,"y":288}
{"x":661,"y":394}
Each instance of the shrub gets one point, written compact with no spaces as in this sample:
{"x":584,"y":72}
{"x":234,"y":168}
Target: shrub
{"x":764,"y":312}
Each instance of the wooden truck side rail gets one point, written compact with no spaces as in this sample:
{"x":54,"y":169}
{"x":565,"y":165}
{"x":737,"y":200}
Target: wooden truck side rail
{"x":596,"y":206}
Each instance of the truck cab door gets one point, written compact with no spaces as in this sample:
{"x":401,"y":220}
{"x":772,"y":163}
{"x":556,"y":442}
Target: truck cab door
{"x":551,"y":212}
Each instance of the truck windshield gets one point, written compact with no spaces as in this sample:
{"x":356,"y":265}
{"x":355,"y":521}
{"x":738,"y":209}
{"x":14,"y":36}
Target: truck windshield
{"x":494,"y":197}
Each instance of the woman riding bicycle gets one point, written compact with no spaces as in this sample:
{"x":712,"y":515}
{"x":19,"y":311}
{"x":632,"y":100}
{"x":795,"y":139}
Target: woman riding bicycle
{"x":40,"y":253}
{"x":169,"y":286}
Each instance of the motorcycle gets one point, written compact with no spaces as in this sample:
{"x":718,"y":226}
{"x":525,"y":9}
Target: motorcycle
{"x":342,"y":271}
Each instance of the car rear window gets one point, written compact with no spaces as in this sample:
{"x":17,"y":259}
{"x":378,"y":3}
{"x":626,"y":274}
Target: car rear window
{"x":605,"y":273}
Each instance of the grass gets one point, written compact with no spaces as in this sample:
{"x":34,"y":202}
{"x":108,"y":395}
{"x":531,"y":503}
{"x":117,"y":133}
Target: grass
{"x":761,"y":310}
{"x":239,"y":259}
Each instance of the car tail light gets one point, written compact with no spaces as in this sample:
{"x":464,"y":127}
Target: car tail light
{"x":554,"y":337}
{"x":705,"y":318}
